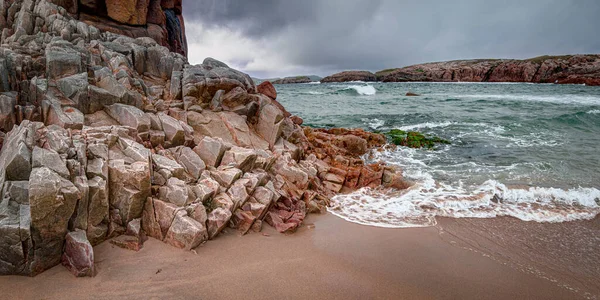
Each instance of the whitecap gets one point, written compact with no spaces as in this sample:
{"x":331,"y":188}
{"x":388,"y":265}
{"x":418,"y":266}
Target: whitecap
{"x":364,"y":90}
{"x":594,"y":112}
{"x":374,"y":123}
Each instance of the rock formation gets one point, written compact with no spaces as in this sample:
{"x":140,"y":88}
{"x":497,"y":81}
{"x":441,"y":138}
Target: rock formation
{"x":347,"y":76}
{"x":161,"y":20}
{"x":569,"y":69}
{"x":114,"y":137}
{"x":290,"y":80}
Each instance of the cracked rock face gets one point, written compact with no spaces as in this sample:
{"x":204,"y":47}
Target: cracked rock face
{"x":115,"y":137}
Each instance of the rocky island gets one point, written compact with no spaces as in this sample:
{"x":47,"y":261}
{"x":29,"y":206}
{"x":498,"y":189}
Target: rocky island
{"x":291,"y":80}
{"x":109,"y":134}
{"x":347,"y":76}
{"x":567,"y":69}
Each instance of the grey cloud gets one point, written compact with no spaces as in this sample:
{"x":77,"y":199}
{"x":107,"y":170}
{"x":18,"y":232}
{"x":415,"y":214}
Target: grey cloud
{"x":332,"y":35}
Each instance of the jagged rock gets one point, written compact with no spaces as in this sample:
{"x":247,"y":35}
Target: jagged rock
{"x":167,"y":167}
{"x":223,"y":200}
{"x":235,"y":98}
{"x":65,"y":117}
{"x":78,"y":255}
{"x":16,"y":156}
{"x":217,"y":220}
{"x":225,"y":176}
{"x":62,"y":60}
{"x":15,"y":238}
{"x":266,"y":88}
{"x":211,"y":151}
{"x":173,"y":130}
{"x":193,"y":164}
{"x":7,"y":111}
{"x":200,"y":83}
{"x":185,"y":232}
{"x":269,"y":123}
{"x":175,"y":88}
{"x":238,"y":193}
{"x":74,"y":87}
{"x":127,"y":242}
{"x":129,"y":187}
{"x":129,"y":116}
{"x":175,"y":192}
{"x":50,"y":159}
{"x":197,"y":211}
{"x":240,"y":158}
{"x":52,"y":200}
{"x":164,"y":213}
{"x":243,"y":221}
{"x":98,"y":206}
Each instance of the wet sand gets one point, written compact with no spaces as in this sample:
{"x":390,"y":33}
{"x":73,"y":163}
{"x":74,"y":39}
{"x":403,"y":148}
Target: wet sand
{"x":333,"y":259}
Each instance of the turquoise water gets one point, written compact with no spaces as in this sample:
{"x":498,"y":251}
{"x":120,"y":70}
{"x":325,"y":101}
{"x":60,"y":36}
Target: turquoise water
{"x":523,"y":150}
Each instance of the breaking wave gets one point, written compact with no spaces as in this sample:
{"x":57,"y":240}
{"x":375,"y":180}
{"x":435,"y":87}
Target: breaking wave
{"x":427,"y":199}
{"x":594,"y":112}
{"x":361,"y":90}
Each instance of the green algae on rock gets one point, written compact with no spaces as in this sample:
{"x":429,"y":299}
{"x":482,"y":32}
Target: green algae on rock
{"x":413,"y":139}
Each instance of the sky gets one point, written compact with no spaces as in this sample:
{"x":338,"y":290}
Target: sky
{"x":277,"y":38}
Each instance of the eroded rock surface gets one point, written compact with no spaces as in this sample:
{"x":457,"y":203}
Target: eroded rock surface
{"x":111,"y":137}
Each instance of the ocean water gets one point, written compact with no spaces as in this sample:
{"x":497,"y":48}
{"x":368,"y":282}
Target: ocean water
{"x":530,"y":151}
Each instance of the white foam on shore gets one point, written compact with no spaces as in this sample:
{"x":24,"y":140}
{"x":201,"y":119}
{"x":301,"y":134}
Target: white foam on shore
{"x":418,"y":206}
{"x":364,"y":90}
{"x":429,"y":198}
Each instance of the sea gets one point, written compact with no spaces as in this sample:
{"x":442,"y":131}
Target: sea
{"x":528,"y":151}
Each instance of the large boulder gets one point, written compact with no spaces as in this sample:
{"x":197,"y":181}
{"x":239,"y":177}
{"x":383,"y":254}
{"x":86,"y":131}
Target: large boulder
{"x":129,"y":186}
{"x":129,"y":116}
{"x":52,"y":200}
{"x":7,"y":111}
{"x":190,"y":160}
{"x":211,"y":151}
{"x":62,"y":60}
{"x":266,"y":88}
{"x":201,"y":83}
{"x":78,"y":255}
{"x":185,"y":232}
{"x":217,"y":221}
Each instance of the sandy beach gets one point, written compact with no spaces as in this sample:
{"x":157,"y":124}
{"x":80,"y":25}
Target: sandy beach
{"x":330,"y":259}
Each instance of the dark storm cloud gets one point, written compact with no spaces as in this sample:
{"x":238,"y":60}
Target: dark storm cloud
{"x":323,"y":36}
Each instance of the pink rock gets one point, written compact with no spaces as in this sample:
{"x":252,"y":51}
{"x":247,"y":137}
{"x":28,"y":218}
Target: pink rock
{"x":217,"y":220}
{"x":266,"y":88}
{"x":78,"y":256}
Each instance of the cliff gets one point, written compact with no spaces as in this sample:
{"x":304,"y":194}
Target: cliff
{"x":569,"y":69}
{"x":350,"y":76}
{"x":162,"y":20}
{"x":113,"y":137}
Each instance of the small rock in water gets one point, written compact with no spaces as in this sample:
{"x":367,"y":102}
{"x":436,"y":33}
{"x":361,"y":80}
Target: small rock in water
{"x":411,"y":94}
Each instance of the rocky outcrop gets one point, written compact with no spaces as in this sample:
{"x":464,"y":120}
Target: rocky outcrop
{"x":347,"y":76}
{"x":291,"y":80}
{"x":160,"y":20}
{"x":111,"y":138}
{"x":569,"y":69}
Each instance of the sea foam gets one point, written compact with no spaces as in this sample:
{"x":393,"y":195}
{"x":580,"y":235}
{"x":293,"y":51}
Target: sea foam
{"x":364,"y":90}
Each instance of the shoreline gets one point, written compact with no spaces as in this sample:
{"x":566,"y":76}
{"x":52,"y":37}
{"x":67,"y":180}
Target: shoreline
{"x":327,"y":258}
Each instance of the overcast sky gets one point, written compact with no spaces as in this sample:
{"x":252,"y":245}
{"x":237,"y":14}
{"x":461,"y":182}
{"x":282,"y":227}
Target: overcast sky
{"x":275,"y":38}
